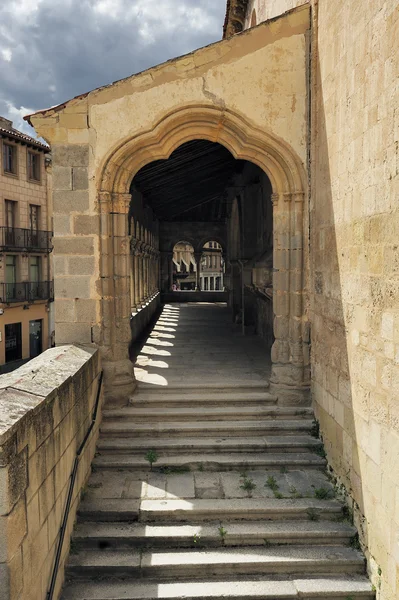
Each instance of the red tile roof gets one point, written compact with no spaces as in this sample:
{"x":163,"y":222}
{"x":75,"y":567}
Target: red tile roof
{"x":14,"y":134}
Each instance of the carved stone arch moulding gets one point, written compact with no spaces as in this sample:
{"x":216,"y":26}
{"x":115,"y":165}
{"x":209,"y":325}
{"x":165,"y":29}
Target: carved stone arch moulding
{"x":234,"y":131}
{"x":290,"y":352}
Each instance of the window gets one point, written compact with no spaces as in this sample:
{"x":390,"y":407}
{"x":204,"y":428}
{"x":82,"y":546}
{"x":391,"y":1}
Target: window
{"x":10,"y":159}
{"x":34,"y":217}
{"x":10,"y":211}
{"x":34,"y":269}
{"x":11,"y":269}
{"x":33,"y":166}
{"x":11,"y":277}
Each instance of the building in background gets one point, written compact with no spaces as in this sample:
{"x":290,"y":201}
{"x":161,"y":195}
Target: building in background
{"x":212,"y":268}
{"x":26,"y":286}
{"x":184,"y":267}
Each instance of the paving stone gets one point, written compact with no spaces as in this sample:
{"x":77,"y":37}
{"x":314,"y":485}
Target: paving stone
{"x":208,"y":485}
{"x":180,"y":486}
{"x":154,"y":487}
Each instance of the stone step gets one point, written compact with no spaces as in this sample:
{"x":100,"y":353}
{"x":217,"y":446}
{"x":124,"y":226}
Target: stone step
{"x":206,"y":428}
{"x":272,"y":443}
{"x":323,"y":560}
{"x":190,"y":404}
{"x":227,"y":413}
{"x":140,"y":413}
{"x":356,"y":587}
{"x":118,"y":535}
{"x":212,"y":462}
{"x":195,"y":510}
{"x":205,"y":388}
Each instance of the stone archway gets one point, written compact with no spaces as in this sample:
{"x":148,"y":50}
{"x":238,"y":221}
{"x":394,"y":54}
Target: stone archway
{"x":290,"y":365}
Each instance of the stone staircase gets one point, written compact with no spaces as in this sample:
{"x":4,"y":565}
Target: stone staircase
{"x":237,"y":504}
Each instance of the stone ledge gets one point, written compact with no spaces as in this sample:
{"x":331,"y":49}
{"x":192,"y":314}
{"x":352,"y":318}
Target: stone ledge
{"x":23,"y":391}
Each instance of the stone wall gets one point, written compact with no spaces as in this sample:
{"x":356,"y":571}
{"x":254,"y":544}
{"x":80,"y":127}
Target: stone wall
{"x":355,"y":265}
{"x":268,"y":9}
{"x":45,"y":410}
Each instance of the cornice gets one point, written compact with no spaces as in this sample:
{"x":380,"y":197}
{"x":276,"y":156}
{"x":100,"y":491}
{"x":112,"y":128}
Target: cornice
{"x":236,"y":11}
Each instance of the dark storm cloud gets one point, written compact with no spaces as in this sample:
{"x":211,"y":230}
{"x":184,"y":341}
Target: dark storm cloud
{"x":52,"y":50}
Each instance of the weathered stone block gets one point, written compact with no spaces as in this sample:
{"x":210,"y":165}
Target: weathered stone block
{"x":62,"y":225}
{"x":62,"y":178}
{"x":68,"y":155}
{"x":86,"y":311}
{"x":73,"y":333}
{"x":74,"y":245}
{"x":86,"y":224}
{"x":64,"y":311}
{"x":80,"y":265}
{"x":80,"y":178}
{"x":67,"y":201}
{"x":73,"y":121}
{"x":77,"y":286}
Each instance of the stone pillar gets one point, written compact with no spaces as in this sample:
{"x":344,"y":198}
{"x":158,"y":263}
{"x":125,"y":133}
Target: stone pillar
{"x":197,"y":258}
{"x":290,"y":374}
{"x":119,"y":379}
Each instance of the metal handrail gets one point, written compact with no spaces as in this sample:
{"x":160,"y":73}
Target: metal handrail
{"x":72,"y":480}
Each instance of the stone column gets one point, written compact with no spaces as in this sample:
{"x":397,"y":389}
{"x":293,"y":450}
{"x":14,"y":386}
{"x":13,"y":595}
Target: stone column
{"x":290,"y":375}
{"x":116,"y":302}
{"x":197,"y":257}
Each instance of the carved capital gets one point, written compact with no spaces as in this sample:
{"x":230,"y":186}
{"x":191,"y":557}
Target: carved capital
{"x":121,"y":203}
{"x":104,"y":202}
{"x":294,"y":196}
{"x":275,"y":198}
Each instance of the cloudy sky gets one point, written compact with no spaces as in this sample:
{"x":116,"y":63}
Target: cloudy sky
{"x":52,"y":50}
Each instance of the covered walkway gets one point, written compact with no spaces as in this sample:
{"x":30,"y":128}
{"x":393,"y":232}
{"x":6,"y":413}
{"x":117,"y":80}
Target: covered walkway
{"x":198,"y":345}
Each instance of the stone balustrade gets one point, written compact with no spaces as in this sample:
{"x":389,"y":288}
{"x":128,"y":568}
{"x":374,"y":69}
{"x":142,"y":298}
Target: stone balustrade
{"x":45,"y":411}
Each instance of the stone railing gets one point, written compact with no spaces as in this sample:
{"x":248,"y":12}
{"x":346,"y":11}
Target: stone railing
{"x":45,"y":411}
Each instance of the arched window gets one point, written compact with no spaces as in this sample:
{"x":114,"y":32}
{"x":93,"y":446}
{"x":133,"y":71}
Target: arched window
{"x":253,"y":18}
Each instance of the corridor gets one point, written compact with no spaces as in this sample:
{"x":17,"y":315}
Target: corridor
{"x":204,"y":487}
{"x":196,"y":344}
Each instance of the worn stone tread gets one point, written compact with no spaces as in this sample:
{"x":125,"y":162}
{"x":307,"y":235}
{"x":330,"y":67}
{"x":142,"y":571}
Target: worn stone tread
{"x":221,"y":561}
{"x":248,"y":508}
{"x":198,"y":411}
{"x":215,"y":444}
{"x":243,"y":534}
{"x":215,"y":462}
{"x":260,"y":589}
{"x":207,"y":428}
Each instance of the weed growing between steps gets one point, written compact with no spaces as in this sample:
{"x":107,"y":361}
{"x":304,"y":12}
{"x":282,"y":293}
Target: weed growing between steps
{"x":248,"y":485}
{"x":152,"y":457}
{"x":175,"y":470}
{"x":323,"y":494}
{"x":222,"y":532}
{"x":313,"y":515}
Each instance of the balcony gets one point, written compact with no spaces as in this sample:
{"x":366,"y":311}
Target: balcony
{"x":26,"y":291}
{"x":24,"y":240}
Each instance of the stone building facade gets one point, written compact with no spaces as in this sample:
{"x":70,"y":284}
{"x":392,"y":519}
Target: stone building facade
{"x":26,"y":288}
{"x":354,"y":216}
{"x":309,"y":98}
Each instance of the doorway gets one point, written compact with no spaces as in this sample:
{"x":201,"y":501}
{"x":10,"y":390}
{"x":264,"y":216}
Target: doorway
{"x":35,"y":337}
{"x":13,"y":342}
